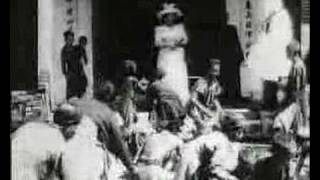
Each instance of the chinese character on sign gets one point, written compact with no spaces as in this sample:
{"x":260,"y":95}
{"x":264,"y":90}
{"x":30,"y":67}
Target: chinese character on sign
{"x":70,"y":19}
{"x":248,"y":26}
{"x":69,"y":11}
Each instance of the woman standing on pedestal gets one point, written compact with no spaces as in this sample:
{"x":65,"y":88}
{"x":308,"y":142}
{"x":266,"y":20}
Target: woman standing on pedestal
{"x":170,"y":38}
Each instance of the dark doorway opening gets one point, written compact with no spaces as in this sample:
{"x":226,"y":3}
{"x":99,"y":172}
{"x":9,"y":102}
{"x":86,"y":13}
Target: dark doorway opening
{"x":23,"y":44}
{"x":124,"y":29}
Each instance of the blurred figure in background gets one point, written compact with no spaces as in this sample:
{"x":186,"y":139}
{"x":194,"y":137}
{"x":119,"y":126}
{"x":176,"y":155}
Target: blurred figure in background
{"x":298,"y":73}
{"x":127,"y":94}
{"x":83,"y":60}
{"x":81,"y":49}
{"x":299,"y":83}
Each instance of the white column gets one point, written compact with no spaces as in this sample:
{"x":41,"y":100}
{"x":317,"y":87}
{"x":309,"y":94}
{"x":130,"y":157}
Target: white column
{"x":45,"y":38}
{"x":53,"y":18}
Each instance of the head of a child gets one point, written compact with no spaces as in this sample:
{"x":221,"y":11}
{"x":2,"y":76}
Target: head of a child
{"x":83,"y":41}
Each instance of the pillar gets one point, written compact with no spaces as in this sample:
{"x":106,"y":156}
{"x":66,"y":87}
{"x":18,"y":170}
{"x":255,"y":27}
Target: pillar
{"x":55,"y":17}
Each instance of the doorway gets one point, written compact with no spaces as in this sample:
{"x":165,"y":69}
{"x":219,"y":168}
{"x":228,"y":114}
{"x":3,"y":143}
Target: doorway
{"x":123,"y":29}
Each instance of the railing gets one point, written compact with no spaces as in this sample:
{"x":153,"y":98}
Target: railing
{"x":26,"y":105}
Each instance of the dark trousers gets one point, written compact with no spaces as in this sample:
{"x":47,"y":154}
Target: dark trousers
{"x":76,"y":85}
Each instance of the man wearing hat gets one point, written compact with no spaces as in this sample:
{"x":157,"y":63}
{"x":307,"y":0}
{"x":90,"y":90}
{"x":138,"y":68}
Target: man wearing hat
{"x":205,"y":108}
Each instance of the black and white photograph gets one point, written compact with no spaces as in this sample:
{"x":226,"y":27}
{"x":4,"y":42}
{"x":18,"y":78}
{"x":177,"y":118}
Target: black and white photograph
{"x":160,"y":89}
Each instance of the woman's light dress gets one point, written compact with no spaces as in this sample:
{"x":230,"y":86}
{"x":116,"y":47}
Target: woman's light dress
{"x":171,"y":58}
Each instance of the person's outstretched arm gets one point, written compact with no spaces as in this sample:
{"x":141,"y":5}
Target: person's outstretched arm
{"x":119,"y":147}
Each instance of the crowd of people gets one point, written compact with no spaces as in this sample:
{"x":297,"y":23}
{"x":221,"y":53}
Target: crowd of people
{"x":184,"y":137}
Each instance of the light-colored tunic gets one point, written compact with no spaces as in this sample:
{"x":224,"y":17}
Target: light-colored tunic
{"x":206,"y":94}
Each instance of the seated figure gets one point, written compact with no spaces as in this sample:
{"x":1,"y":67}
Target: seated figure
{"x":128,"y":93}
{"x":164,"y":102}
{"x":204,"y":106}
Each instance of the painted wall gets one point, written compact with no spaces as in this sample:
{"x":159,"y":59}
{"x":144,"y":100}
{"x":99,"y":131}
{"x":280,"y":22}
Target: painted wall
{"x":55,"y":17}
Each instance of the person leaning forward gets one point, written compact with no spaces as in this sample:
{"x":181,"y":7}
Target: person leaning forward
{"x":106,"y":120}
